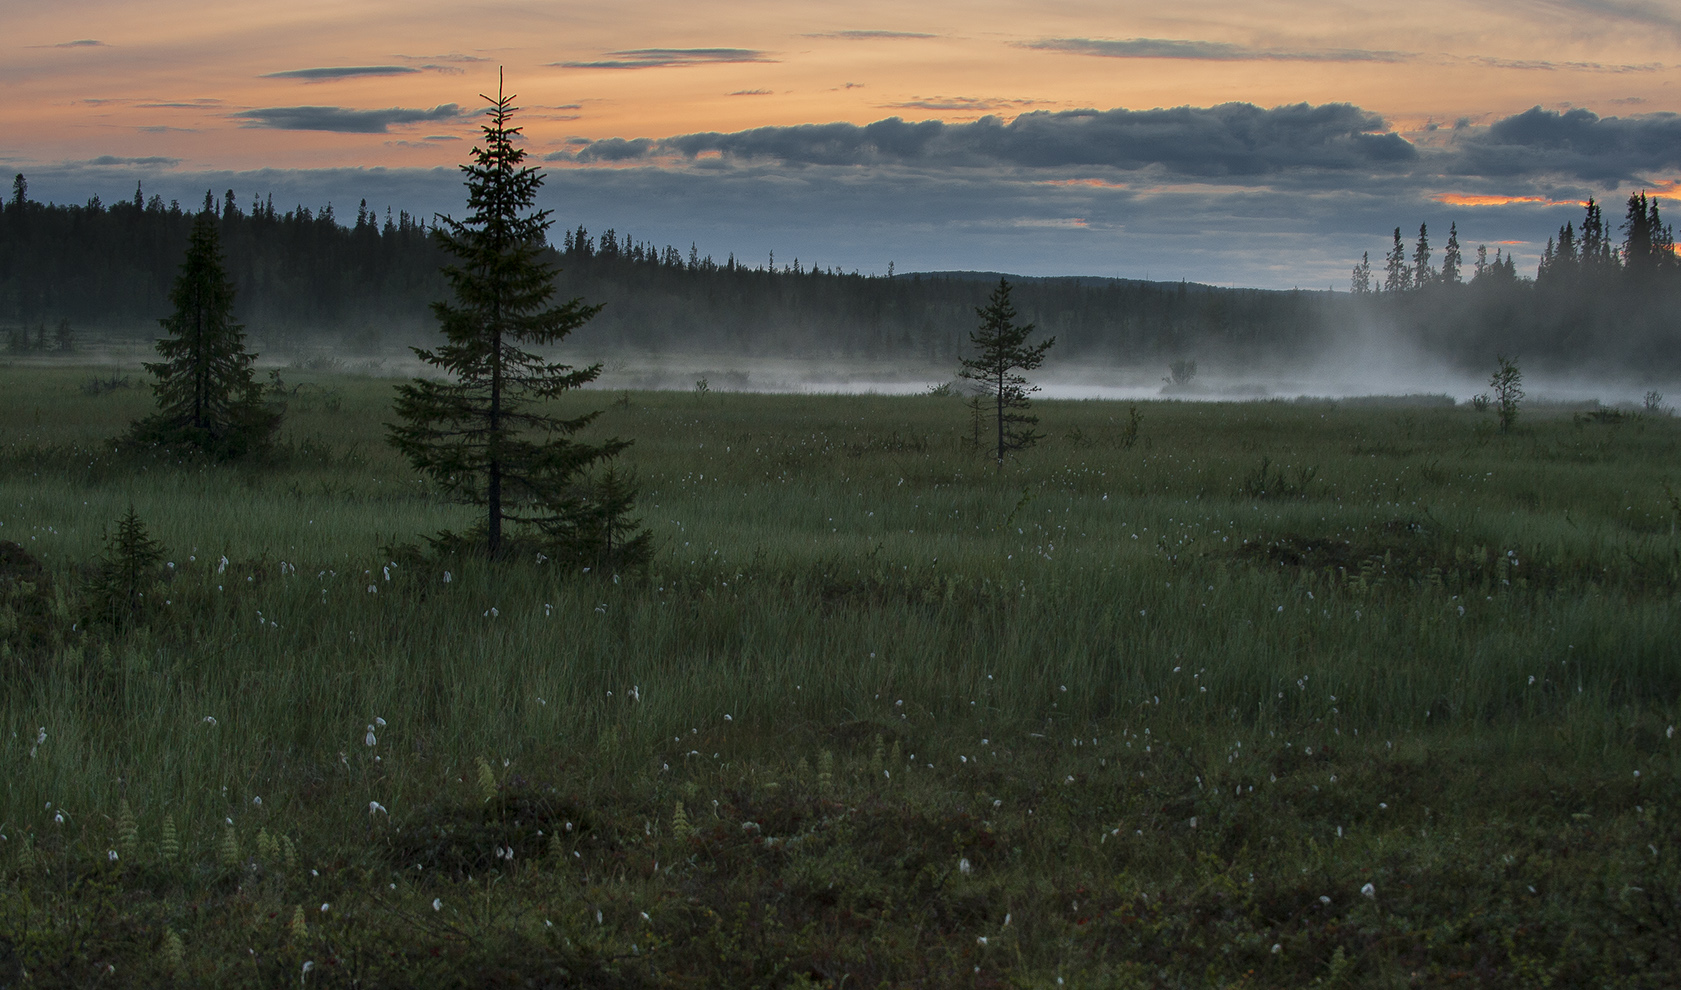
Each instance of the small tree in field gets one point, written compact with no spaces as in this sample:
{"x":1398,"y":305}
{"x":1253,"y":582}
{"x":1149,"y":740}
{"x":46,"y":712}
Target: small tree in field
{"x":1004,"y":351}
{"x":126,"y":571}
{"x":481,"y":434}
{"x":1507,"y":384}
{"x":207,"y":396}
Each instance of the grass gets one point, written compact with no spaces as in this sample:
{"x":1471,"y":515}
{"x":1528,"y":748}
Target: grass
{"x":1147,"y":713}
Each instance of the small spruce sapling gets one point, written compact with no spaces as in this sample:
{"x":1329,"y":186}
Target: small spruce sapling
{"x":1507,"y":384}
{"x":126,"y":571}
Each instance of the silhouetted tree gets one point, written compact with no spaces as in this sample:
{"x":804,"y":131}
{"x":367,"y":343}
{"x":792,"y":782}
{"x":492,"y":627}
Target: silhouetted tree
{"x":1003,"y":351}
{"x":1451,"y":260}
{"x":1396,"y":276}
{"x":1422,"y":274}
{"x":481,"y":435}
{"x":207,"y":396}
{"x":1361,"y":283}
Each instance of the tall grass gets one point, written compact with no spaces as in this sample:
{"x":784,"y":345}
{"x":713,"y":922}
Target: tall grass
{"x":833,"y":559}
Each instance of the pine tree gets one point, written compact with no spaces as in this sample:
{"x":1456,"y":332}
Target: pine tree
{"x":1396,"y":276}
{"x":1422,"y":275}
{"x":209,"y":400}
{"x":480,"y":435}
{"x":1480,"y":269}
{"x":1004,"y":350}
{"x":1451,"y":258}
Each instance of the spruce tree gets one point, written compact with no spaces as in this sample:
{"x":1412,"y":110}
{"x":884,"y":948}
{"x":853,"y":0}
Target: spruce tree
{"x":209,"y":401}
{"x":1423,"y":275}
{"x":1004,"y":351}
{"x":481,"y":434}
{"x":1397,"y":277}
{"x":1361,"y":282}
{"x":1452,"y":260}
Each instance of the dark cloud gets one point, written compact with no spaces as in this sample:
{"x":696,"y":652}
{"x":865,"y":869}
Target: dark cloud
{"x":161,"y":129}
{"x":181,"y":105}
{"x":661,"y":58}
{"x":107,"y":160}
{"x":751,"y":92}
{"x":341,"y":72}
{"x":870,"y":35}
{"x":1207,"y":51}
{"x":342,"y":119}
{"x":1232,"y":139}
{"x":1575,"y":143}
{"x":83,"y":43}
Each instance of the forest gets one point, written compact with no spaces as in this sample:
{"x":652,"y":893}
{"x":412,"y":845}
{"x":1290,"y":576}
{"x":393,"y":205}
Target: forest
{"x":1601,"y":299}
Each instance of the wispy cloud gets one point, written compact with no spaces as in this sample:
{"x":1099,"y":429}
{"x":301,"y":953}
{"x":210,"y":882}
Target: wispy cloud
{"x":1544,"y":65}
{"x":869,"y":35}
{"x":203,"y":104}
{"x":83,"y":43}
{"x":343,"y":120}
{"x":1207,"y":51}
{"x":970,"y":103}
{"x":116,"y":160}
{"x":340,"y":72}
{"x":663,"y":58}
{"x":751,"y":92}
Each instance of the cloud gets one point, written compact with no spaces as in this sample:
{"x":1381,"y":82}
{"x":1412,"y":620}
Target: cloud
{"x":1576,"y":143}
{"x":661,"y":58}
{"x":1207,"y":51}
{"x":115,"y":160}
{"x":969,"y":103}
{"x":1637,"y":11}
{"x":181,"y":105}
{"x":1546,"y":66}
{"x":83,"y":43}
{"x":340,"y":72}
{"x":162,"y":129}
{"x":869,"y":35}
{"x":451,"y":57}
{"x":343,"y":120}
{"x":750,"y":92}
{"x":1232,"y":139}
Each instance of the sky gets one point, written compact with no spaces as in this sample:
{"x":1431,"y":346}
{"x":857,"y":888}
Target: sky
{"x":1265,"y":143}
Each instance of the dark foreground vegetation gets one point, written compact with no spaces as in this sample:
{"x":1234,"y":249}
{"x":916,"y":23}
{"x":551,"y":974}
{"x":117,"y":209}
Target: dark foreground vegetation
{"x":1275,"y":694}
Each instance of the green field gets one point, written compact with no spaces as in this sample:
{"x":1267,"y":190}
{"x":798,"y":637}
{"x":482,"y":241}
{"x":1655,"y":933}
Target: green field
{"x":1146,"y":713}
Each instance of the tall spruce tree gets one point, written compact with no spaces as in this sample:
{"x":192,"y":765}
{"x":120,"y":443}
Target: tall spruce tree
{"x":1452,"y":260}
{"x":1003,"y":351}
{"x":208,"y":399}
{"x":1397,"y":277}
{"x":1423,"y":274}
{"x":482,"y":434}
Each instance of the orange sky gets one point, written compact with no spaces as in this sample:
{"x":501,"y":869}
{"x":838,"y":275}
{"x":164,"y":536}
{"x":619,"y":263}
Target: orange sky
{"x":84,"y":101}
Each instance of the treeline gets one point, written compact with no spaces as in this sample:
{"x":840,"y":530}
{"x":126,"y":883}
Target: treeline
{"x":664,"y":299}
{"x":1601,"y":298}
{"x":304,"y":278}
{"x":110,"y":266}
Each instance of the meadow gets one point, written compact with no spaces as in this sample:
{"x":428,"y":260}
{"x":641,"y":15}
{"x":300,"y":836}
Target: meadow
{"x":1358,"y":693}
